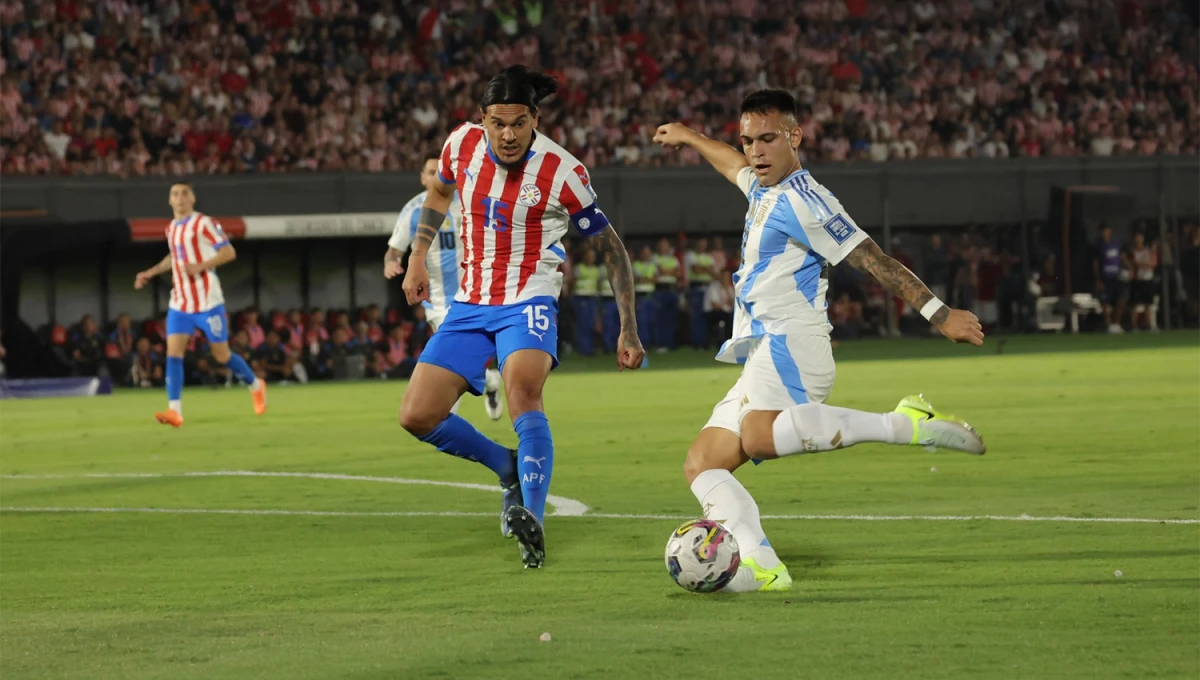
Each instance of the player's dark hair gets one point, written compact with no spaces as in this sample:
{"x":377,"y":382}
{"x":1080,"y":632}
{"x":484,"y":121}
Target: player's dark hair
{"x":518,"y":85}
{"x":771,"y":101}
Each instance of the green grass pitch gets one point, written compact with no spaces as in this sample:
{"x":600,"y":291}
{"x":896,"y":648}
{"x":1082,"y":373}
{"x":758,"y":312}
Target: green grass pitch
{"x":413,"y":580}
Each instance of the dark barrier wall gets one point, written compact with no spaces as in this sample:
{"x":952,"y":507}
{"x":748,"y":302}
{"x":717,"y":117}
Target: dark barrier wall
{"x":644,"y":201}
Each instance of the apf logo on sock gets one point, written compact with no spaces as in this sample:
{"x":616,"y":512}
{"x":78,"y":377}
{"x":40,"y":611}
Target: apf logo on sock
{"x":533,"y":478}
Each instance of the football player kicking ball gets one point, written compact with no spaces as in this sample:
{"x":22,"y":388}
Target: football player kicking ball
{"x":795,"y":229}
{"x":518,"y":194}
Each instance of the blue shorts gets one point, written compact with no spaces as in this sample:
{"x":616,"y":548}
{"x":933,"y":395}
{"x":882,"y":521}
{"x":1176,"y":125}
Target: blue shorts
{"x":472,"y":334}
{"x":214,"y":323}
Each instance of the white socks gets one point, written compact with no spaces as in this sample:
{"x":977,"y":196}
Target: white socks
{"x":809,"y":428}
{"x":492,"y":380}
{"x":175,"y":405}
{"x":725,"y":500}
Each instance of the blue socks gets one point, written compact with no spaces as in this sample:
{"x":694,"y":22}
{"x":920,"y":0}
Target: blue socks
{"x":174,"y":378}
{"x":535,"y":460}
{"x":241,"y":369}
{"x":460,"y":439}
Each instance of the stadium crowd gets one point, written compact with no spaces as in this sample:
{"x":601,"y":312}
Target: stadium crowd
{"x":684,"y":298}
{"x":175,"y":87}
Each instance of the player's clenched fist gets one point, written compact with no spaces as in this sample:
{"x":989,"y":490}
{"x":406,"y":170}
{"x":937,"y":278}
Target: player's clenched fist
{"x":673,"y":134}
{"x":392,"y":269}
{"x":962,"y":326}
{"x":416,"y":282}
{"x":630,"y":353}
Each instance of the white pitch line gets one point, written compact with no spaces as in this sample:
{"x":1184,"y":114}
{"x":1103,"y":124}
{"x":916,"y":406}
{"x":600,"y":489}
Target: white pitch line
{"x":840,"y":518}
{"x":562,"y":505}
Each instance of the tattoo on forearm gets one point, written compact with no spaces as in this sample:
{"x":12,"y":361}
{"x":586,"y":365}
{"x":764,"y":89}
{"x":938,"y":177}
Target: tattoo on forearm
{"x":427,"y":228}
{"x":392,"y":255}
{"x":620,"y":276}
{"x":868,"y":257}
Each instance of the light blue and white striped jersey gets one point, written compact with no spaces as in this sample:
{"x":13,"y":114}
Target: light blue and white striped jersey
{"x":793,"y":230}
{"x":444,"y":258}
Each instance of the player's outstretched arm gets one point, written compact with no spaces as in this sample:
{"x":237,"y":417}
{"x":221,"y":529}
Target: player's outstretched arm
{"x":724,"y":158}
{"x":144,"y":277}
{"x":433,"y":214}
{"x":956,"y":324}
{"x":630,"y":352}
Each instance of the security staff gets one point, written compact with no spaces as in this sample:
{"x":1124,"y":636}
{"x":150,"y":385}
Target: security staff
{"x":666,"y":295}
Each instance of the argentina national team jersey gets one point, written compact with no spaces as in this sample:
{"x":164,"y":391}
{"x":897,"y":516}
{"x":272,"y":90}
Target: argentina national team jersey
{"x":793,"y":230}
{"x":443,"y":259}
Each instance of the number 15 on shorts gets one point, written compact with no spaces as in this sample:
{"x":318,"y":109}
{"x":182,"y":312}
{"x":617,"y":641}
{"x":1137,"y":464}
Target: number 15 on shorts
{"x":539,"y":319}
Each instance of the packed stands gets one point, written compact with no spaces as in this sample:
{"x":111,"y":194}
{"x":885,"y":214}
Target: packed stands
{"x":175,"y":87}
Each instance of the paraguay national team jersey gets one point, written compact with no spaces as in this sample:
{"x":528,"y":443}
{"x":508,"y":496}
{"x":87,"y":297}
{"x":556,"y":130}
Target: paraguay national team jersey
{"x":443,"y":257}
{"x":793,"y":229}
{"x":513,"y":222}
{"x":193,"y":239}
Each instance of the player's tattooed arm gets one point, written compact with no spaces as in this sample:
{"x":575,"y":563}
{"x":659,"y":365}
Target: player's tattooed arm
{"x":868,"y":257}
{"x":620,"y":275}
{"x":630,"y":352}
{"x":427,"y":230}
{"x":393,"y":255}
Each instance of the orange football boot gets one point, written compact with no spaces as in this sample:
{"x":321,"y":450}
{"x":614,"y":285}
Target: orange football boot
{"x":169,"y":417}
{"x":260,"y":398}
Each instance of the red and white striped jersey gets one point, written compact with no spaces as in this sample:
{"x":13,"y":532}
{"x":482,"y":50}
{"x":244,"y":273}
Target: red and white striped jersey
{"x":195,"y":238}
{"x":513,"y":222}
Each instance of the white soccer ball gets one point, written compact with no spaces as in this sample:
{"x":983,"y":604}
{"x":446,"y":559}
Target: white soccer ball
{"x":702,"y":556}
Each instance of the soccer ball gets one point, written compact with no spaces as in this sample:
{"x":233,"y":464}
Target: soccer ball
{"x":702,"y":556}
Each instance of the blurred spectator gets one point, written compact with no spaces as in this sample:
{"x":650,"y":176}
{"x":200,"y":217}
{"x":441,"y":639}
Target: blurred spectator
{"x":254,"y":332}
{"x":701,"y":272}
{"x":120,"y":346}
{"x":936,"y":270}
{"x":361,"y":345}
{"x":584,"y":296}
{"x":419,"y":334}
{"x":276,"y":364}
{"x":374,"y":317}
{"x":846,"y":316}
{"x":667,"y":283}
{"x":645,"y":272}
{"x":87,"y":349}
{"x":394,"y":360}
{"x":295,"y":332}
{"x":718,"y":307}
{"x":1113,"y":270}
{"x":332,"y":359}
{"x":146,"y":366}
{"x":1144,"y":290}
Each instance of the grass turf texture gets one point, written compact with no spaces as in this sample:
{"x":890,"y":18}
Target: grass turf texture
{"x":1086,"y":427}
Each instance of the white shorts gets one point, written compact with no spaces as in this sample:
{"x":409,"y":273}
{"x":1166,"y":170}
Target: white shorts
{"x":780,"y":372}
{"x":435,"y":316}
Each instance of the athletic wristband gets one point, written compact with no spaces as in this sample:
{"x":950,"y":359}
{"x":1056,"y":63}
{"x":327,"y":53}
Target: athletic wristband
{"x":932,"y":307}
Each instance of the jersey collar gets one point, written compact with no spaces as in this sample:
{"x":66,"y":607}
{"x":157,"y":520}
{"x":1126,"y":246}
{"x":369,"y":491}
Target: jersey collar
{"x":528,"y":155}
{"x":183,"y":220}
